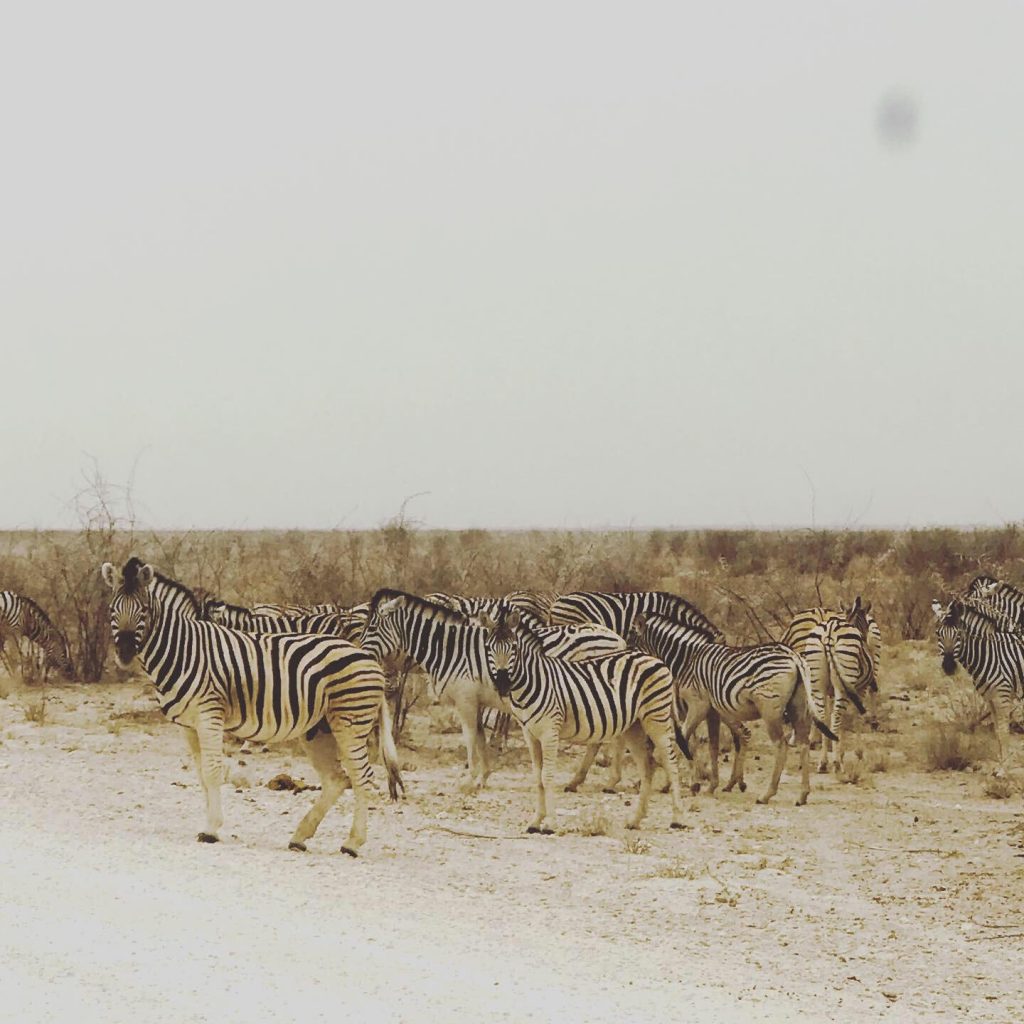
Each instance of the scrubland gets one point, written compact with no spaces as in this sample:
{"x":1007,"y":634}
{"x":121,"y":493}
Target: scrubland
{"x":894,"y":894}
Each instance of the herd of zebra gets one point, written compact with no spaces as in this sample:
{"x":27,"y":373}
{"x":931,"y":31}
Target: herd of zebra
{"x":639,"y":670}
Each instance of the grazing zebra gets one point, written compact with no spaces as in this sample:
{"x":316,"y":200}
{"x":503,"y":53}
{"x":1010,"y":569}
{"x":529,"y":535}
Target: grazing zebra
{"x":990,"y":654}
{"x":329,"y":623}
{"x":998,"y":595}
{"x":627,"y":694}
{"x":843,"y":650}
{"x":20,"y":615}
{"x":268,"y":687}
{"x":770,"y":681}
{"x":617,"y":611}
{"x":450,"y":649}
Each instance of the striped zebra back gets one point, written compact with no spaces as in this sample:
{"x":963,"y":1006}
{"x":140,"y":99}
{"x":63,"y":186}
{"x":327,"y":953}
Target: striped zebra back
{"x":617,"y":611}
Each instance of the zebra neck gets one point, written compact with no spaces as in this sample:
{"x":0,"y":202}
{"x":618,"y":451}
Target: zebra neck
{"x":162,"y":651}
{"x":443,"y":649}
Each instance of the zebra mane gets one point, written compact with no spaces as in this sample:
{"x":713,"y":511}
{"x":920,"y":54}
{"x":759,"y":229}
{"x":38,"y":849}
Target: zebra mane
{"x":130,"y":575}
{"x":977,"y":616}
{"x":677,"y":609}
{"x":435,"y":610}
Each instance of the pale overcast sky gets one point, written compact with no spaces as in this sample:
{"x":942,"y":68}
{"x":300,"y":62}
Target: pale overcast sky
{"x":556,"y":265}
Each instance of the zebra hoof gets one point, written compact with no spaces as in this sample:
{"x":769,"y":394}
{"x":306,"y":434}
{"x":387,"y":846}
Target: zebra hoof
{"x":297,"y":847}
{"x":802,"y":801}
{"x":743,"y":787}
{"x":823,"y":768}
{"x":350,"y":852}
{"x":207,"y":837}
{"x":695,"y":788}
{"x":677,"y":825}
{"x":608,"y":789}
{"x":570,"y":787}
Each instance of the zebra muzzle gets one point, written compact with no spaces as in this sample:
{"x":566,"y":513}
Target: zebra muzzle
{"x":125,"y":649}
{"x":502,"y":682}
{"x":948,"y":664}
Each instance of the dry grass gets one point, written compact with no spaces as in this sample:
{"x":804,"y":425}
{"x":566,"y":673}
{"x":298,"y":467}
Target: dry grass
{"x":593,"y":822}
{"x":949,"y":747}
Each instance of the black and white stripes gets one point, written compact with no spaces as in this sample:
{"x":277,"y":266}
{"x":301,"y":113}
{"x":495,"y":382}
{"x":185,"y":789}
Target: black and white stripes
{"x":269,"y":687}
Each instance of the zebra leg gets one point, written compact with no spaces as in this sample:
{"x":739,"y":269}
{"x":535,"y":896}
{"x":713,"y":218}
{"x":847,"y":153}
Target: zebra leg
{"x":548,"y":753}
{"x":207,"y":744}
{"x":351,"y":741}
{"x":536,"y":760}
{"x":467,"y":706}
{"x":713,"y":723}
{"x":322,"y":751}
{"x":635,"y":738}
{"x":697,"y":711}
{"x":802,"y":732}
{"x":615,"y":776}
{"x":1001,"y":705}
{"x":777,"y":734}
{"x":740,"y":740}
{"x":581,"y":773}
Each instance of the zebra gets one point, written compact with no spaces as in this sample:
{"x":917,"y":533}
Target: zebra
{"x":450,"y":649}
{"x":990,"y":653}
{"x":531,"y":601}
{"x":22,"y":616}
{"x":249,"y":621}
{"x":843,"y":649}
{"x":770,"y":681}
{"x":628,"y":694}
{"x":268,"y":687}
{"x":998,"y":595}
{"x":617,"y":611}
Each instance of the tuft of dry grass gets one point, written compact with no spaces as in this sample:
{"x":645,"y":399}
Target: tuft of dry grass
{"x":949,"y":747}
{"x":999,"y":788}
{"x":675,"y":868}
{"x":635,"y":844}
{"x":35,"y":711}
{"x":593,"y":823}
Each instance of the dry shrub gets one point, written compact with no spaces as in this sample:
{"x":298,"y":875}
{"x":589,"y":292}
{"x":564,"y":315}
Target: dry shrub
{"x":948,"y":747}
{"x":1000,"y":788}
{"x":636,"y":844}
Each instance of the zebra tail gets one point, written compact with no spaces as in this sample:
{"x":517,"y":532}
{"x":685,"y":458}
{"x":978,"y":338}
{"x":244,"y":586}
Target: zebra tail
{"x":388,"y":751}
{"x":838,"y":680}
{"x":814,"y":702}
{"x":680,"y":738}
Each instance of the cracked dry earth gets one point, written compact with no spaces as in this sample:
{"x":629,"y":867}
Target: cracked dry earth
{"x":898,"y":898}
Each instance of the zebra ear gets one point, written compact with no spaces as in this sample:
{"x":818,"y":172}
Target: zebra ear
{"x":145,"y":576}
{"x":109,"y":574}
{"x":487,"y":622}
{"x":512,"y":619}
{"x":639,"y":622}
{"x":938,"y":611}
{"x":385,"y":608}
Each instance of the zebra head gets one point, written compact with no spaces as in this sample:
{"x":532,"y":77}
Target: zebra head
{"x":382,"y":635}
{"x":131,"y":607}
{"x":949,"y":633}
{"x":858,"y":612}
{"x":636,"y":635}
{"x":502,"y":646}
{"x":981,"y":587}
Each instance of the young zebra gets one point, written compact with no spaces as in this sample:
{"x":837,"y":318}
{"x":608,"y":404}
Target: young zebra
{"x":770,"y":682}
{"x":269,"y":687}
{"x":627,"y":694}
{"x":992,"y":653}
{"x":21,"y":616}
{"x":617,"y":611}
{"x":843,"y":650}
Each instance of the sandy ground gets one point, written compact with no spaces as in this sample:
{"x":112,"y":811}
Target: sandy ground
{"x":897,"y":898}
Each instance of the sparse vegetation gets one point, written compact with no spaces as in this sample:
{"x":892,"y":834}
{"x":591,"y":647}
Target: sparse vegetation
{"x":593,"y":822}
{"x":949,"y":747}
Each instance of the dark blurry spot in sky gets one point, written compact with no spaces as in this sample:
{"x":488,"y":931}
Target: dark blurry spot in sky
{"x":897,"y":120}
